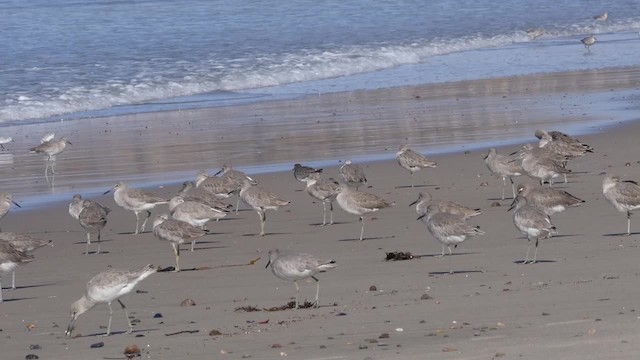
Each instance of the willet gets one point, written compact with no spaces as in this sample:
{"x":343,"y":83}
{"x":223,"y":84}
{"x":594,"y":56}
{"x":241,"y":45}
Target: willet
{"x":261,"y":200}
{"x":352,"y":174}
{"x":448,"y":229}
{"x":413,"y":161}
{"x":92,"y":218}
{"x":106,"y":287}
{"x":298,"y":266}
{"x":325,"y":191}
{"x":565,"y":146}
{"x":75,"y":206}
{"x":301,"y":172}
{"x":541,"y":164}
{"x":135,"y":200}
{"x":24,"y":243}
{"x":194,"y":213}
{"x":190,"y":192}
{"x":533,"y":223}
{"x":623,"y":195}
{"x":534,"y":34}
{"x":176,"y":232}
{"x":236,"y":178}
{"x":588,"y":41}
{"x":601,"y":17}
{"x":505,"y":167}
{"x":217,"y":186}
{"x":360,"y":203}
{"x":51,"y":148}
{"x":5,"y":140}
{"x":5,"y":203}
{"x":10,"y":258}
{"x":451,"y":207}
{"x":548,"y":199}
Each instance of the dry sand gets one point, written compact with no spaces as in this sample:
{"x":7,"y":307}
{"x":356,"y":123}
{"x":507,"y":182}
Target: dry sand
{"x":579,"y":302}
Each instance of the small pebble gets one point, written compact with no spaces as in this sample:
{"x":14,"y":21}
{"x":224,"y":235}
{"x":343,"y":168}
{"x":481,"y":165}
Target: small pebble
{"x":384,"y":336}
{"x":373,"y":288}
{"x":495,"y":204}
{"x":131,"y":351}
{"x":276,"y":346}
{"x":341,"y":314}
{"x":97,"y":345}
{"x":214,"y":333}
{"x":157,"y":315}
{"x":426,"y":297}
{"x":362,"y":347}
{"x":323,"y":346}
{"x":188,"y":302}
{"x":31,"y":357}
{"x":35,"y":347}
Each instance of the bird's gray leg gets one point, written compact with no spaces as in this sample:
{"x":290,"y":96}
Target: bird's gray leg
{"x":504,"y":184}
{"x":145,"y":221}
{"x":126,"y":315}
{"x":297,"y":292}
{"x":317,"y":291}
{"x":263,"y":219}
{"x":109,"y":324}
{"x":324,"y":213}
{"x":441,"y":253}
{"x":137,"y":221}
{"x":535,"y":253}
{"x":629,"y":222}
{"x":450,"y":261}
{"x":412,"y":179}
{"x":238,"y":203}
{"x":99,"y":240}
{"x":331,"y":209}
{"x":86,"y":250}
{"x":526,"y":258}
{"x":362,"y":229}
{"x":13,"y":281}
{"x":193,"y":244}
{"x":513,"y":187}
{"x":176,"y":251}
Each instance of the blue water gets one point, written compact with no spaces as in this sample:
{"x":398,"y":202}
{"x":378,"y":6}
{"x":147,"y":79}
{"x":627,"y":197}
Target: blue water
{"x":75,"y":58}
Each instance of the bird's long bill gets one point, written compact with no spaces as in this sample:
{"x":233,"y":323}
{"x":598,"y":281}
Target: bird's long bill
{"x":421,"y":216}
{"x":513,"y":205}
{"x":268,"y":263}
{"x":106,"y":192}
{"x":413,"y":203}
{"x":513,"y":153}
{"x":69,"y":142}
{"x":70,"y":327}
{"x":219,"y":171}
{"x":16,"y":204}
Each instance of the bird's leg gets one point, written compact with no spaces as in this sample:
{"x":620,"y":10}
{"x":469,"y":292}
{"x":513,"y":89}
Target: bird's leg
{"x":193,"y":244}
{"x":526,"y":258}
{"x":263,"y":218}
{"x":0,"y":291}
{"x":13,"y":281}
{"x":137,"y":221}
{"x":513,"y":187}
{"x":450,"y":261}
{"x":362,"y":229}
{"x":441,"y":253}
{"x":238,"y":203}
{"x":412,"y":180}
{"x":324,"y":213}
{"x":126,"y":315}
{"x":316,"y":304}
{"x":629,"y":222}
{"x":535,"y":253}
{"x":504,"y":184}
{"x":98,"y":252}
{"x":176,"y":251}
{"x":297,"y":293}
{"x":86,"y":250}
{"x":331,"y":209}
{"x":145,"y":221}
{"x":109,"y":324}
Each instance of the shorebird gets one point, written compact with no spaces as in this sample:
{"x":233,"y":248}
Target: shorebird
{"x":194,"y":213}
{"x":325,"y":191}
{"x":301,"y":172}
{"x":541,"y":164}
{"x":217,"y":186}
{"x":5,"y":203}
{"x":505,"y":167}
{"x":236,"y":178}
{"x":298,"y":266}
{"x":532,"y":222}
{"x":534,"y":34}
{"x":601,"y":17}
{"x":75,"y":206}
{"x":106,"y":287}
{"x":51,"y":148}
{"x":565,"y":146}
{"x":176,"y":232}
{"x":624,"y":195}
{"x":451,"y":207}
{"x":548,"y":199}
{"x":92,"y":218}
{"x":5,"y":140}
{"x":10,"y":258}
{"x":135,"y":200}
{"x":588,"y":41}
{"x":190,"y":192}
{"x":360,"y":203}
{"x":24,"y":243}
{"x":261,"y":200}
{"x":352,"y":174}
{"x":449,"y":229}
{"x":413,"y":161}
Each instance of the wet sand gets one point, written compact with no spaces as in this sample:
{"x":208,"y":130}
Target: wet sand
{"x":579,"y":302}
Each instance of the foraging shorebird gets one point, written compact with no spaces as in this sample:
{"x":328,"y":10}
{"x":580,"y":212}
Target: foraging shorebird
{"x":533,"y":223}
{"x":353,"y":175}
{"x":505,"y":167}
{"x":75,"y":206}
{"x":563,"y":145}
{"x":10,"y":258}
{"x":448,"y":229}
{"x":194,"y":213}
{"x":588,"y":41}
{"x":360,"y":203}
{"x":534,"y":34}
{"x":261,"y":200}
{"x":135,"y":200}
{"x":548,"y":199}
{"x":624,"y":195}
{"x":424,"y":200}
{"x":176,"y":232}
{"x":24,"y":243}
{"x":214,"y":185}
{"x":5,"y":203}
{"x":5,"y":140}
{"x":602,"y":17}
{"x":93,"y":218}
{"x":413,"y":161}
{"x":235,"y":178}
{"x":298,"y":266}
{"x":325,"y":191}
{"x":541,"y":164}
{"x":301,"y":172}
{"x":106,"y":287}
{"x":51,"y":148}
{"x":190,"y":192}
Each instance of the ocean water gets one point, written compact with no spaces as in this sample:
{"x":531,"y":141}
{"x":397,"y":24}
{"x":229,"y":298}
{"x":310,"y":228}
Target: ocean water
{"x":81,"y":58}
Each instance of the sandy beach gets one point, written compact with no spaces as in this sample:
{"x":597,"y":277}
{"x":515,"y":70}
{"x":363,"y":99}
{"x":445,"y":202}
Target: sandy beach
{"x":578,"y":302}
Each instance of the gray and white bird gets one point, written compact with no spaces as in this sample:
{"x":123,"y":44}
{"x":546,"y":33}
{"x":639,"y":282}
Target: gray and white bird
{"x":360,"y":203}
{"x":298,"y":266}
{"x":176,"y":232}
{"x":24,"y":243}
{"x":106,"y":287}
{"x":301,"y":172}
{"x":236,"y":179}
{"x":189,"y":192}
{"x":425,"y":199}
{"x":532,"y":223}
{"x":6,"y":200}
{"x":93,"y":218}
{"x":353,"y":175}
{"x":602,"y":17}
{"x":5,"y":140}
{"x":75,"y":206}
{"x":413,"y":161}
{"x":547,"y":199}
{"x":588,"y":41}
{"x":214,"y":185}
{"x":195,"y":213}
{"x":51,"y":148}
{"x":10,"y":258}
{"x":505,"y":167}
{"x":542,"y":164}
{"x":624,"y":195}
{"x":323,"y":190}
{"x":261,"y":200}
{"x":135,"y":200}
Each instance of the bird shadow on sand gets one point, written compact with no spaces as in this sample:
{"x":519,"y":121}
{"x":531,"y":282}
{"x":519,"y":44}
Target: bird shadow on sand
{"x":368,"y":238}
{"x":133,"y":233}
{"x":92,"y":240}
{"x":18,"y":299}
{"x":29,"y":286}
{"x":439,"y":255}
{"x":521,"y":262}
{"x":97,"y":253}
{"x":622,"y":235}
{"x":100,"y":335}
{"x":414,"y":186}
{"x":455,"y":272}
{"x":209,"y":247}
{"x":267,"y":234}
{"x":565,"y":235}
{"x":327,"y":224}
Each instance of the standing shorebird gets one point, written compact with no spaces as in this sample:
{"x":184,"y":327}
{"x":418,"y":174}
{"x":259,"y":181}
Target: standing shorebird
{"x":623,"y":195}
{"x":301,"y":172}
{"x":106,"y":287}
{"x":75,"y":206}
{"x":505,"y":167}
{"x":5,"y":140}
{"x":602,"y":17}
{"x":413,"y":161}
{"x":449,"y":229}
{"x":93,"y":218}
{"x":194,"y":213}
{"x":541,"y":164}
{"x":261,"y":200}
{"x":189,"y":192}
{"x":298,"y":266}
{"x":176,"y":232}
{"x":235,"y":178}
{"x":51,"y":148}
{"x":548,"y":199}
{"x":360,"y":203}
{"x":5,"y":203}
{"x":216,"y":186}
{"x":23,"y":243}
{"x":588,"y":41}
{"x":10,"y":258}
{"x":135,"y":200}
{"x":352,"y":174}
{"x":533,"y":223}
{"x":325,"y":191}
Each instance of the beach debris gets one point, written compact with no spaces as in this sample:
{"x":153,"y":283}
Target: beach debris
{"x":341,"y":314}
{"x":142,"y":292}
{"x":188,"y":302}
{"x":97,"y":345}
{"x":371,"y":340}
{"x":499,"y":355}
{"x":276,"y":346}
{"x":215,"y":332}
{"x":157,"y":315}
{"x":291,"y":305}
{"x":132,"y":351}
{"x":373,"y":288}
{"x":449,"y":349}
{"x":31,"y":357}
{"x":183,"y":332}
{"x":247,"y":308}
{"x":283,"y":354}
{"x":398,"y":256}
{"x":30,"y":326}
{"x":35,"y":347}
{"x":363,"y":347}
{"x":263,"y":322}
{"x":426,"y":297}
{"x":384,"y":336}
{"x":495,"y":204}
{"x":167,"y":269}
